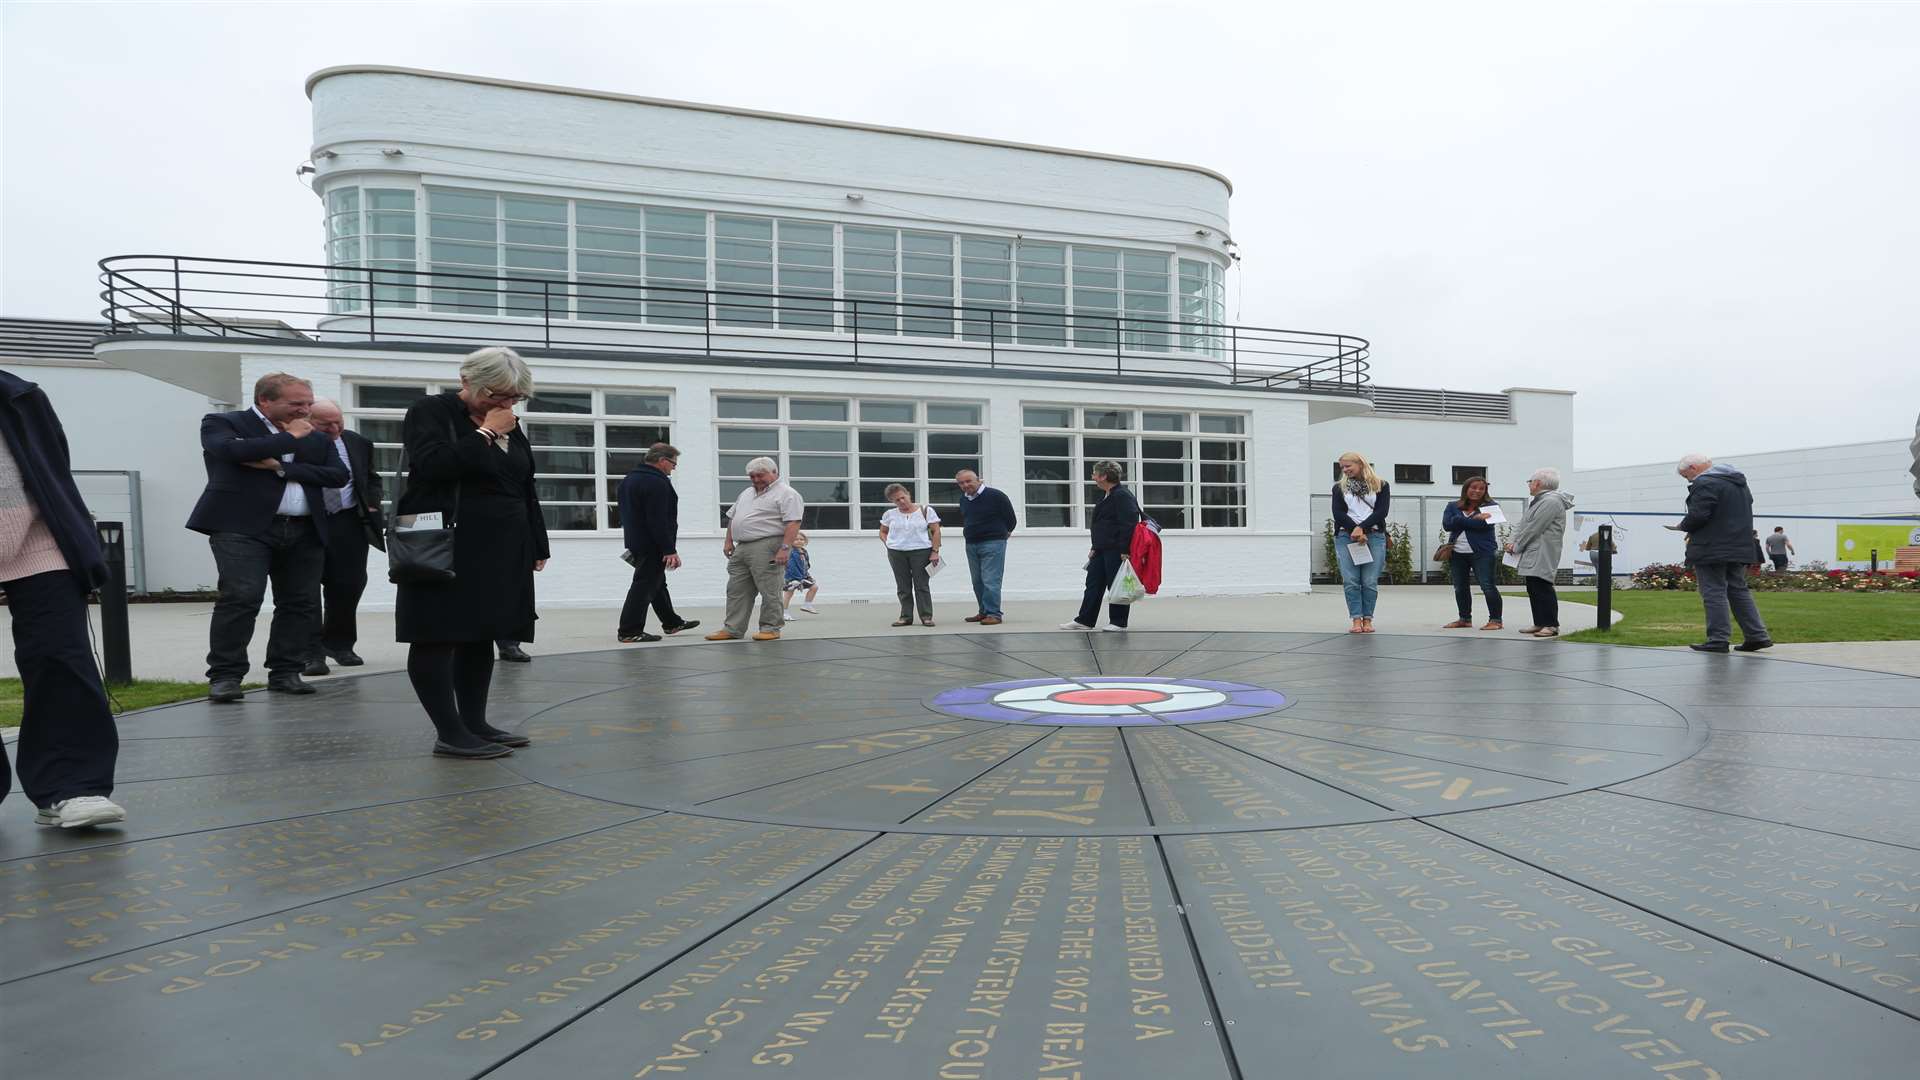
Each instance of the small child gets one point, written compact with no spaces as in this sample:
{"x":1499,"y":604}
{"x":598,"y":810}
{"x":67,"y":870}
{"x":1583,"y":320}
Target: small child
{"x":800,"y":576}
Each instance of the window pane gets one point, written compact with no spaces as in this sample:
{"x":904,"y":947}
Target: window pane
{"x":888,"y":442}
{"x":826,"y":517}
{"x":623,"y":462}
{"x":637,"y":404}
{"x":639,"y":436}
{"x":1160,"y":421}
{"x":733,"y":467}
{"x":387,"y":397}
{"x":806,"y":409}
{"x":1109,"y":419}
{"x":1047,"y":470}
{"x":1166,"y":472}
{"x":460,"y":202}
{"x":578,"y":462}
{"x":1223,"y":451}
{"x":1164,"y":494}
{"x":560,"y":434}
{"x":821,"y":491}
{"x":748,"y":408}
{"x":1220,"y":474}
{"x":607,"y":214}
{"x":564,"y":490}
{"x":952,"y":442}
{"x":940,"y":470}
{"x":758,"y":440}
{"x":887,"y":412}
{"x":887,"y":468}
{"x":568,"y":401}
{"x":1164,"y":449}
{"x":1049,"y":446}
{"x":1171,"y":517}
{"x":1048,"y":517}
{"x":1230,"y":424}
{"x":965,"y":415}
{"x":379,"y":431}
{"x":1049,"y":416}
{"x":820,"y":465}
{"x":829,"y":440}
{"x":1120,"y":449}
{"x":568,"y":518}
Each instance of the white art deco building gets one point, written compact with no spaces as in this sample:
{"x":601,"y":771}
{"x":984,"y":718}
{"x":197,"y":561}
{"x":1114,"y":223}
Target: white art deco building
{"x":865,"y":305}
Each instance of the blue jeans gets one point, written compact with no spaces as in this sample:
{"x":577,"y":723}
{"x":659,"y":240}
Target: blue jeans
{"x":1362,"y":583}
{"x":986,"y":560}
{"x":1478,"y":566}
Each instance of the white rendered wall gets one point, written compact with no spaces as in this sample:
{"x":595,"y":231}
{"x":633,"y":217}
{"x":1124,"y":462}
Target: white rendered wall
{"x":1042,"y":565}
{"x":1809,"y":493}
{"x":513,"y":139}
{"x":123,"y":420}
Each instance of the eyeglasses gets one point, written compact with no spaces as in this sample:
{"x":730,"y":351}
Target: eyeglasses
{"x":506,"y":396}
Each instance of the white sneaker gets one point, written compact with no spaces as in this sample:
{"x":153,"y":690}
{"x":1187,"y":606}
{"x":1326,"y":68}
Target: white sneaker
{"x":789,"y":616}
{"x":809,"y":609}
{"x":1074,"y":626}
{"x":1112,"y":629}
{"x":80,"y":812}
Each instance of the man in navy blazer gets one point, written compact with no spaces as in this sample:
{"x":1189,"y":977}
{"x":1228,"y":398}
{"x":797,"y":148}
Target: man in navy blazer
{"x":266,"y":467}
{"x":650,"y":519}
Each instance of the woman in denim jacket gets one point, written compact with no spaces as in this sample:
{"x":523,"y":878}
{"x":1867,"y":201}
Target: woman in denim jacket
{"x":1475,"y":552}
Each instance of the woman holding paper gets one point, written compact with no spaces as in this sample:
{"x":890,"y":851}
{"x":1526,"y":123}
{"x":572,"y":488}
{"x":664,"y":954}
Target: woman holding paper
{"x":471,"y":466}
{"x":912,"y":537}
{"x":1360,"y":502}
{"x":1469,"y":523}
{"x":1536,"y":546}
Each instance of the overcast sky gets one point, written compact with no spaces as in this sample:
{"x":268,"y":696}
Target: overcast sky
{"x":1704,"y":218}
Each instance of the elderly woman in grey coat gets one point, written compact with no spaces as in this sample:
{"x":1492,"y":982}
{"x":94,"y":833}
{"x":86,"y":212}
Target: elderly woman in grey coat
{"x":1537,"y":542}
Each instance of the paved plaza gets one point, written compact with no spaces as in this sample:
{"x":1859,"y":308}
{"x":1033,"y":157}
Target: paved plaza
{"x":1163,"y":853}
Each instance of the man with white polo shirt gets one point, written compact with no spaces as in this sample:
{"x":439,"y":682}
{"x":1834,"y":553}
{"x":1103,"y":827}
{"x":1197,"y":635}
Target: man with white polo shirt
{"x":760,"y":531}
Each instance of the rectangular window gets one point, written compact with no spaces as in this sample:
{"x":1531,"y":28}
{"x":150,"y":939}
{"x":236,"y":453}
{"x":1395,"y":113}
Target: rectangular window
{"x":926,"y":284}
{"x":743,"y":271}
{"x":805,"y":282}
{"x":1188,"y":470}
{"x":463,"y":250}
{"x":986,"y":288}
{"x":1413,"y":474}
{"x":1463,"y":473}
{"x":840,"y":454}
{"x":1203,"y":306}
{"x":584,"y":442}
{"x":1040,"y":279}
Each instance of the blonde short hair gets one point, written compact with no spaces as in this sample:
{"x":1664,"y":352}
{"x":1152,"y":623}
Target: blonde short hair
{"x":497,"y":369}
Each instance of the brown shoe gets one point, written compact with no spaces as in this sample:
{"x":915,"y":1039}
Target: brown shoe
{"x":1547,"y":631}
{"x":926,"y":622}
{"x":767,"y":635}
{"x":1493,"y":625}
{"x":1531,"y":630}
{"x":722,"y":635}
{"x":975,"y":618}
{"x":1458,"y":624}
{"x":901,"y":621}
{"x":989,"y":620}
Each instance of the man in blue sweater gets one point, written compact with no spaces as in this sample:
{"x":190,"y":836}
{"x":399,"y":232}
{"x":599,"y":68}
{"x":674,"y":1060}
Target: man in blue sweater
{"x":988,"y":519}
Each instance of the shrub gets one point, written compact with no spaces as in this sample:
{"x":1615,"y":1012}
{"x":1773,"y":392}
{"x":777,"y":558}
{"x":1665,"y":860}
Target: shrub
{"x":1664,"y":576}
{"x":1399,"y":568}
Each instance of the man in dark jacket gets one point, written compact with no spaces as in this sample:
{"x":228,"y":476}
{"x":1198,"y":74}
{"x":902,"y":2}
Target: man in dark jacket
{"x":266,"y":468}
{"x":351,"y":522}
{"x":50,"y":560}
{"x":1720,"y":544}
{"x":650,"y":518}
{"x":988,"y":520}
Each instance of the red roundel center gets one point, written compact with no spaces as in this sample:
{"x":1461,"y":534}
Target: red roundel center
{"x":1123,"y":696}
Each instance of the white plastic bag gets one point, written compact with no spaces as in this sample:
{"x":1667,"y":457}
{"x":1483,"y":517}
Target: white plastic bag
{"x":1126,"y":588}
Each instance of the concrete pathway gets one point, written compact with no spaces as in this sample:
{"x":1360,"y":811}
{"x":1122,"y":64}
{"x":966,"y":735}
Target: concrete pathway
{"x":170,"y":640}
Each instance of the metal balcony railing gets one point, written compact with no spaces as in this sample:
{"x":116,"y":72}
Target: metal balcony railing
{"x":248,"y":299}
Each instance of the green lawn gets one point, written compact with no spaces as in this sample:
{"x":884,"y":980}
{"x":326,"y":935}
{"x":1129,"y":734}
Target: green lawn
{"x":141,"y":694}
{"x":1662,"y":617}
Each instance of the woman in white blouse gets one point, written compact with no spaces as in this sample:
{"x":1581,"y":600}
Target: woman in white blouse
{"x":912,"y":536}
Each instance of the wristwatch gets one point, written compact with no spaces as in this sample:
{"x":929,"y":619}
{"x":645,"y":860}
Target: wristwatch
{"x":280,"y":471}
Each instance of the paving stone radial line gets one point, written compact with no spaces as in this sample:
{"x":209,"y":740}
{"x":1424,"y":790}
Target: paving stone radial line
{"x":1460,"y":857}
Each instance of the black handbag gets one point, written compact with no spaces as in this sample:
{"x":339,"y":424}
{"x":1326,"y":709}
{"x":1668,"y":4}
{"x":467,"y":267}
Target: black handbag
{"x":420,"y":556}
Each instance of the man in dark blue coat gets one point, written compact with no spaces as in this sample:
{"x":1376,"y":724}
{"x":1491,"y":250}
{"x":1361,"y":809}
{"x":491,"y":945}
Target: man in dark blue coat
{"x":987,"y":520}
{"x":1720,"y":545}
{"x":266,"y":468}
{"x":650,"y":518}
{"x":50,"y":560}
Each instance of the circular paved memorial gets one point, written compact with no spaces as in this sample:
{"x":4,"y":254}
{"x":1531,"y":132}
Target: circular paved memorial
{"x":1122,"y":855}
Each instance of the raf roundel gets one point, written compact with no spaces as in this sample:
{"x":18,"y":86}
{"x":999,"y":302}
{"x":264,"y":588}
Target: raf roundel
{"x":1101,"y":701}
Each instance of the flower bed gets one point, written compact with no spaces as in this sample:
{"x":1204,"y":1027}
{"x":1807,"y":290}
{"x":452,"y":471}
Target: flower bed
{"x":1818,"y":579}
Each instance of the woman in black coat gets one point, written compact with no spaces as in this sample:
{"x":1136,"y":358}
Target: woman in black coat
{"x":471,"y":463}
{"x":1112,"y":526}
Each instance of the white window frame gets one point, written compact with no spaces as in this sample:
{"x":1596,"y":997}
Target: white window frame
{"x":1080,"y":462}
{"x":605,"y":479}
{"x":729,"y":484}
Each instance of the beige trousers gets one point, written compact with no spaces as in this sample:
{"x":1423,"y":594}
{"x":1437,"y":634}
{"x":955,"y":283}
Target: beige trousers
{"x":752,"y":570}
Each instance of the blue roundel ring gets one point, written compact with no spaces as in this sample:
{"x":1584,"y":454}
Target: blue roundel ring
{"x":1108,"y":701}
